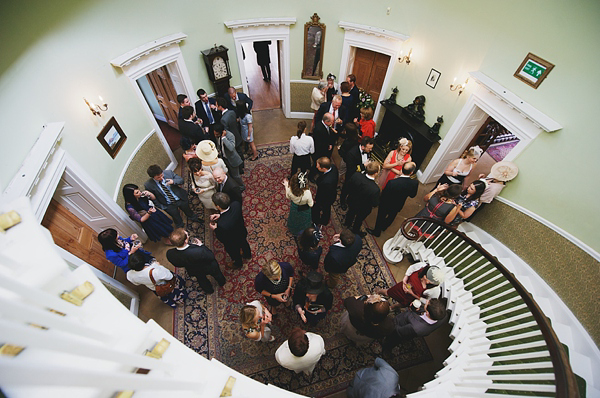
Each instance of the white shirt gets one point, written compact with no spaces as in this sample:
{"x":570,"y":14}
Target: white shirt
{"x":304,"y":145}
{"x":363,"y":155}
{"x":306,"y":363}
{"x":334,"y":112}
{"x":159,"y":273}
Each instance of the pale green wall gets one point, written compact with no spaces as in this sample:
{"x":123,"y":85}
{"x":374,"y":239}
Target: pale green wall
{"x":54,"y":53}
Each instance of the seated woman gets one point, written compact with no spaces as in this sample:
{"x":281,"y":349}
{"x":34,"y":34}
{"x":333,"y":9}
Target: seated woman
{"x":275,"y":282}
{"x":204,"y":183}
{"x":139,"y":205}
{"x":460,"y":168}
{"x":366,"y":124}
{"x":255,"y":318}
{"x":413,"y":285}
{"x":468,"y":201}
{"x":118,"y":249}
{"x":297,"y":190}
{"x":366,"y":318}
{"x":309,"y":250}
{"x":151,"y":274}
{"x":395,"y":160}
{"x":312,"y":298}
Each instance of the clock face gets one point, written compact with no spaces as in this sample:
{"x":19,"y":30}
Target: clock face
{"x":219,"y":68}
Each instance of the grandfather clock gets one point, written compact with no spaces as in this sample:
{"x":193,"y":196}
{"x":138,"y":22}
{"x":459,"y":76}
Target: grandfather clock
{"x":217,"y":66}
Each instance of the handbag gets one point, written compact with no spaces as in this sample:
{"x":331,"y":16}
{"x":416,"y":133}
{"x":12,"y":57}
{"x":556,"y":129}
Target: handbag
{"x":164,"y":289}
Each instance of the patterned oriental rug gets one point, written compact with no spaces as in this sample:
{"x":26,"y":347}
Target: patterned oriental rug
{"x":209,"y":324}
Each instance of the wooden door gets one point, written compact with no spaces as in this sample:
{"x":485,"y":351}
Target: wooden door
{"x":73,"y":235}
{"x":487,"y":134}
{"x":165,"y":93}
{"x":370,"y":69}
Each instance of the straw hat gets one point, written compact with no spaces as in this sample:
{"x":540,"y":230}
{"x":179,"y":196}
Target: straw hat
{"x":207,"y":151}
{"x":504,"y":171}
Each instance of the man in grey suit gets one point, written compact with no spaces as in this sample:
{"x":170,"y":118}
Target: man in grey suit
{"x":226,"y":145}
{"x":170,"y":197}
{"x":230,"y":123}
{"x":410,"y":324}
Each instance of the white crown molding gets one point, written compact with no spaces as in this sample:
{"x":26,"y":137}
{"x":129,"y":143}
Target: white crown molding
{"x":370,"y":30}
{"x":249,"y":23}
{"x":314,"y":82}
{"x":553,"y":227}
{"x":538,"y":118}
{"x":141,"y":51}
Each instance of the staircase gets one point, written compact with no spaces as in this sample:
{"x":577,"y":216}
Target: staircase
{"x":97,"y":349}
{"x":505,"y":342}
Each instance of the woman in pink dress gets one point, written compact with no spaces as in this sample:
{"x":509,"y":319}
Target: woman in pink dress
{"x":396,"y":159}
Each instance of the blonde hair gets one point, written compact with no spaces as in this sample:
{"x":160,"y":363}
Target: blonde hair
{"x":366,"y":113}
{"x":337,"y":98}
{"x":272,"y":270}
{"x":247,"y":314}
{"x":405,"y":142}
{"x":473,"y":152}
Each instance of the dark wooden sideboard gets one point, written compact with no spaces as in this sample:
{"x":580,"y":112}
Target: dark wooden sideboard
{"x":398,"y":123}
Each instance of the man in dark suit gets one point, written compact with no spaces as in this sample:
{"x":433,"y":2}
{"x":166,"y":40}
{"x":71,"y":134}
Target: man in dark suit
{"x":326,"y":191}
{"x":170,"y":197}
{"x":229,"y":121}
{"x":235,"y":96}
{"x":354,"y":111}
{"x":363,"y":197}
{"x":230,"y":229}
{"x":324,"y":137}
{"x":335,"y":107}
{"x":393,"y":198}
{"x":227,"y":185}
{"x":190,"y":128}
{"x":356,"y":159}
{"x":206,"y":110}
{"x":342,"y":255}
{"x":411,"y":324}
{"x":226,"y":146}
{"x":197,"y":259}
{"x":261,"y":48}
{"x":182,"y":100}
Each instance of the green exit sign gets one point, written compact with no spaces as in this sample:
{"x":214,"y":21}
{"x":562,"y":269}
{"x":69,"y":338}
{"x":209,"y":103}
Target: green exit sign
{"x":534,"y":69}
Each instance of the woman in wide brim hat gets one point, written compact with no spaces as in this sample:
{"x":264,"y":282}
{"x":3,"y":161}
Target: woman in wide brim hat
{"x":201,"y":169}
{"x":501,"y":173}
{"x":312,"y":298}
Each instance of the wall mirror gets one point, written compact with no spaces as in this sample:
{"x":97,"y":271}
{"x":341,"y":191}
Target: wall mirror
{"x":314,"y":38}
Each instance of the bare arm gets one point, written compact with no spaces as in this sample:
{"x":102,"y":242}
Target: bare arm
{"x":450,"y":169}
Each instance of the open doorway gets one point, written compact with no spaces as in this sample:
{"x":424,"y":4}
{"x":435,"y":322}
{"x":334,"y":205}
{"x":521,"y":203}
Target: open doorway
{"x":160,"y":88}
{"x":370,"y":69}
{"x":262,"y":66}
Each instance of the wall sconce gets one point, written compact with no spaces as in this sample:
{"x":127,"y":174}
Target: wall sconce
{"x":405,"y":58}
{"x":97,"y":109}
{"x":459,"y":87}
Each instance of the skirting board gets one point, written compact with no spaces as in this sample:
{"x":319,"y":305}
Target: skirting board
{"x":553,"y":227}
{"x":301,"y":115}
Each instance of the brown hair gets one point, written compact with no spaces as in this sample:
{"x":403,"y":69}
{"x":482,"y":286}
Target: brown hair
{"x":301,"y":128}
{"x":247,"y":314}
{"x":373,"y":168}
{"x":298,"y":342}
{"x":408,"y":143}
{"x":366,"y":113}
{"x":295,"y":186}
{"x":195,"y":165}
{"x":178,"y":237}
{"x":345,"y":87}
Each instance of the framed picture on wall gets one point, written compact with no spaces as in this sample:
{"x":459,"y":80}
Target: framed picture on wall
{"x":432,"y":79}
{"x":112,"y":137}
{"x":533,"y":70}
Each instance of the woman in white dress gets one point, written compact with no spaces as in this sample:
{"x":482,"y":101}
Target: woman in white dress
{"x":255,"y":318}
{"x":203,"y":180}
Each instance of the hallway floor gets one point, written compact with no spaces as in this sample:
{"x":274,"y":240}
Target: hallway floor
{"x":272,"y":126}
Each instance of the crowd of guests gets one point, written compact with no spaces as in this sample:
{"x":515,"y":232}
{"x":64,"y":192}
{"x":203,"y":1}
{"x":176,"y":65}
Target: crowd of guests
{"x":217,"y":138}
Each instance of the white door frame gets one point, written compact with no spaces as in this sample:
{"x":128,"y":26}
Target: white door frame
{"x":265,"y":29}
{"x":151,"y":56}
{"x":520,"y":118}
{"x":374,"y":39}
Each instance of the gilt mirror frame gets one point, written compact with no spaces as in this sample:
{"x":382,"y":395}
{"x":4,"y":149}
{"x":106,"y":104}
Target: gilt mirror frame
{"x":314,"y":71}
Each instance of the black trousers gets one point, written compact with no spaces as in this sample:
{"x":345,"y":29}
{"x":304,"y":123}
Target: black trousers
{"x":356,"y":215}
{"x":173,"y":210}
{"x":201,"y":276}
{"x":266,"y":71}
{"x":321,"y":213}
{"x":300,"y":162}
{"x":385,"y":217}
{"x":233,"y":249}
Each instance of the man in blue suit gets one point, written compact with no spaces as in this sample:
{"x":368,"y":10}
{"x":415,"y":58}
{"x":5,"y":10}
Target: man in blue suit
{"x":342,"y":255}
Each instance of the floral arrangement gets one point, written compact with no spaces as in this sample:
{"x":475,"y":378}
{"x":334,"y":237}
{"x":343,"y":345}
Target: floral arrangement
{"x":365,"y":100}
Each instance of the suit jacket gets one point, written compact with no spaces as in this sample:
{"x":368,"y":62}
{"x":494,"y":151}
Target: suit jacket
{"x":227,"y":143}
{"x":161,"y":200}
{"x":201,"y":112}
{"x":231,"y":188}
{"x":195,"y":259}
{"x":323,"y":138}
{"x":340,"y":259}
{"x":342,"y":114}
{"x":241,"y":97}
{"x":230,"y":226}
{"x":193,"y":131}
{"x":364,"y":192}
{"x":261,"y":48}
{"x":229,"y":121}
{"x":379,"y":381}
{"x":397,"y":190}
{"x":410,"y":324}
{"x":353,"y":161}
{"x":327,"y":187}
{"x":354,"y":111}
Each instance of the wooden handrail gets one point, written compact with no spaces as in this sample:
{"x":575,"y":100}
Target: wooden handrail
{"x":566,"y":383}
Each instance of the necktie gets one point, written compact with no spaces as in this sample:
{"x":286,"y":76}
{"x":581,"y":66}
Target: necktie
{"x":170,"y":197}
{"x":208,"y":113}
{"x":221,"y":185}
